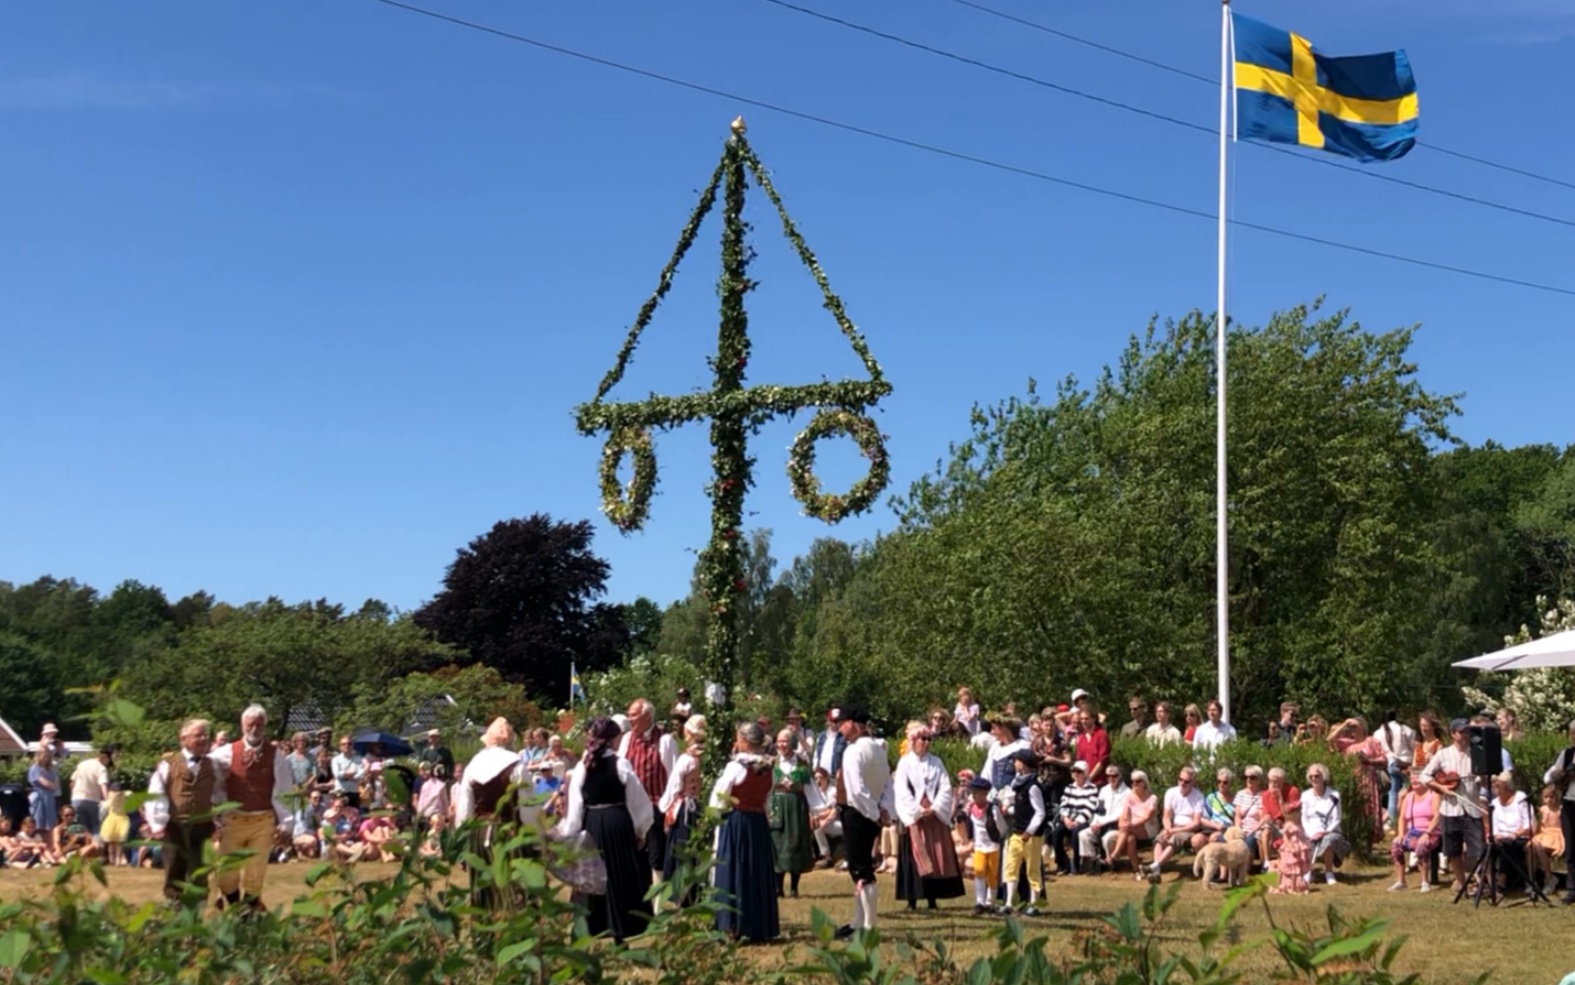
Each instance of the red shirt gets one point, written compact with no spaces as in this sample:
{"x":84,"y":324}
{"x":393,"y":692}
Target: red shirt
{"x":1093,"y":748}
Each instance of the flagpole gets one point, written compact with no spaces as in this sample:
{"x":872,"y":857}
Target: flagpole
{"x":1221,"y":524}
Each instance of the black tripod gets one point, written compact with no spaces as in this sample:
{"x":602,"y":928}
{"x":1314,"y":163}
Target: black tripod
{"x":1484,"y":872}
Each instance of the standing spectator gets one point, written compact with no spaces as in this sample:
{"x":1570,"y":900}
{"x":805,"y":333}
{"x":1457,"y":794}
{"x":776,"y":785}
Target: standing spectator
{"x":966,"y":714}
{"x":1397,"y":741}
{"x":1093,"y":743}
{"x":1561,"y":776}
{"x":49,"y":737}
{"x":1465,"y":829}
{"x":1350,"y":738}
{"x":115,"y":825}
{"x":350,"y":772}
{"x":433,"y":800}
{"x":1138,"y":724}
{"x":1509,"y":725}
{"x":436,"y":753}
{"x":43,"y":789}
{"x":1192,"y":717}
{"x":651,"y":752}
{"x":1429,"y":739}
{"x":1215,"y":731}
{"x":1290,"y":711}
{"x":1162,"y":732}
{"x":607,"y":800}
{"x":303,"y":766}
{"x":746,"y":887}
{"x":325,"y":743}
{"x":90,"y":788}
{"x":865,"y":798}
{"x":829,"y":747}
{"x":179,"y":809}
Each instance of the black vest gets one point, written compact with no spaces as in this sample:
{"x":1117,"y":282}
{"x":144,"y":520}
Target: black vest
{"x":1022,"y":807}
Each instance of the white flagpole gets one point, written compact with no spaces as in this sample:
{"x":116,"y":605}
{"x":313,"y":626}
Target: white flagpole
{"x":1221,"y":524}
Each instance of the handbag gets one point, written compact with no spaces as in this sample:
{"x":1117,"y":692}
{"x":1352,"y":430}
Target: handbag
{"x":578,"y":864}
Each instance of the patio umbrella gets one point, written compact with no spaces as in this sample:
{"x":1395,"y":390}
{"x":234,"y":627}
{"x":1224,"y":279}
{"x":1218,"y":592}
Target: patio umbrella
{"x":392,"y":745}
{"x":1557,"y":650}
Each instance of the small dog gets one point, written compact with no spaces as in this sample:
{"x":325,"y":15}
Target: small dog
{"x":1230,"y":858}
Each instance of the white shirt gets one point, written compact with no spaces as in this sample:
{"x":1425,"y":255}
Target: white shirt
{"x":866,"y":777}
{"x":1320,"y":815}
{"x":917,"y":778}
{"x":351,"y":764}
{"x":982,"y":842}
{"x":1209,"y":735}
{"x":157,"y":807}
{"x":283,"y":780}
{"x":1186,"y":811}
{"x":1565,"y":763}
{"x":483,"y":768}
{"x":1162,"y":735}
{"x":666,"y":749}
{"x":634,"y":795}
{"x":1111,"y":799}
{"x":90,"y":780}
{"x":735,"y":772}
{"x":1398,"y":741}
{"x":1510,"y":818}
{"x":1450,"y":758}
{"x":685,"y":767}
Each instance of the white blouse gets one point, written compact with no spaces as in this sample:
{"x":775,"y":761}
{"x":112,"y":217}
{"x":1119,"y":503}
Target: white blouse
{"x":917,"y":778}
{"x":1511,"y":818}
{"x":734,"y":773}
{"x":634,"y":797}
{"x":683,"y":768}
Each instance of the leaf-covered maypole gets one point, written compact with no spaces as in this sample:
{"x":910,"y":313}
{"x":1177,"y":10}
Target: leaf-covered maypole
{"x":735,"y":411}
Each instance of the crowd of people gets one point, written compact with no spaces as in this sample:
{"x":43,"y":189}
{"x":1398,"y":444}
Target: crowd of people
{"x":1047,"y":801}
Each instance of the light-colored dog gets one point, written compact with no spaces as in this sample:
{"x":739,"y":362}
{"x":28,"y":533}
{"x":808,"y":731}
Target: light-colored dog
{"x":1230,"y":858}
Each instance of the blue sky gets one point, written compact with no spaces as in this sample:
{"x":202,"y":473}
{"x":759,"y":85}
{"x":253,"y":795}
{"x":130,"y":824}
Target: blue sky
{"x":299,"y":296}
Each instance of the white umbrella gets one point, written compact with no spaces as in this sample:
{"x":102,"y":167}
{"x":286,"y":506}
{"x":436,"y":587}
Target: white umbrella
{"x":1557,"y":650}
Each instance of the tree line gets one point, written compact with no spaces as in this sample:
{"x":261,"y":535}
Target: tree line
{"x":1066,"y":540}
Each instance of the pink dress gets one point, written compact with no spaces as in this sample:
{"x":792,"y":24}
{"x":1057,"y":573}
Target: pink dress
{"x":1295,"y":859}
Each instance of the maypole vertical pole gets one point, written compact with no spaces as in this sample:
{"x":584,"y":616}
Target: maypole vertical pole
{"x":1221,"y":520}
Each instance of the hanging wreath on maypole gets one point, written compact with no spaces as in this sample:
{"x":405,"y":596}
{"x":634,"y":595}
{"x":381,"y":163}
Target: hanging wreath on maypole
{"x":801,"y":465}
{"x":628,"y":508}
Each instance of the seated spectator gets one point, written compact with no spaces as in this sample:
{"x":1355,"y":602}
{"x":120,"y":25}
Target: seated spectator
{"x":823,"y":819}
{"x":1219,"y":807}
{"x":1321,"y":820}
{"x":1418,"y":818}
{"x":1136,"y":825}
{"x":1079,"y":802}
{"x":8,"y":841}
{"x":1513,"y":824}
{"x":1181,"y":826}
{"x":432,"y":844}
{"x":1249,"y":809}
{"x":379,"y":839}
{"x":1095,"y":842}
{"x":148,"y":853}
{"x":29,"y":848}
{"x":72,"y":837}
{"x":1278,"y":800}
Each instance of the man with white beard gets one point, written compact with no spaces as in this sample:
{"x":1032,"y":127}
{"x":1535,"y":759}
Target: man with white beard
{"x":255,"y":773}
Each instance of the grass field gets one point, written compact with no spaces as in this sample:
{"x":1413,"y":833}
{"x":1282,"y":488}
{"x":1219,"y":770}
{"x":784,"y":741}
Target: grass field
{"x":1518,"y":944}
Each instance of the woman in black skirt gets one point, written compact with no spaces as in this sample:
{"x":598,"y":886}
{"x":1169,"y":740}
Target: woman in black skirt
{"x":746,"y":880}
{"x":680,"y":804}
{"x":927,"y":866}
{"x":607,"y":801}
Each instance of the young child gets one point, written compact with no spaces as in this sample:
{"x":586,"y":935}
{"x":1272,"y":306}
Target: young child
{"x":432,"y":845}
{"x":7,"y":841}
{"x":30,"y":848}
{"x":115,"y":827}
{"x":1548,"y":842}
{"x":986,"y":828}
{"x":1025,"y":847}
{"x":1295,"y":854}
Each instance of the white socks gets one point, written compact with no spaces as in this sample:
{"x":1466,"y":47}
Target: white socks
{"x":982,"y":892}
{"x":869,"y":894}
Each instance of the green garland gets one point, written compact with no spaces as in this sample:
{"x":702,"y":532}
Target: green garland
{"x":627,"y":509}
{"x":734,"y":411}
{"x":801,"y":465}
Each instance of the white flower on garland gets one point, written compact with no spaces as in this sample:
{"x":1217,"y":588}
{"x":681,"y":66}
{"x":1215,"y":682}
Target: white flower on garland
{"x":1542,"y":699}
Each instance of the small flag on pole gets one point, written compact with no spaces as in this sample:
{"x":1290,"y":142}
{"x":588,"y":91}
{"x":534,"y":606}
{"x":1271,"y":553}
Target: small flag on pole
{"x":576,"y":690}
{"x":1361,"y":106}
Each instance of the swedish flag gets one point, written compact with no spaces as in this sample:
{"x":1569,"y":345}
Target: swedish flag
{"x":1362,"y":106}
{"x":576,"y":690}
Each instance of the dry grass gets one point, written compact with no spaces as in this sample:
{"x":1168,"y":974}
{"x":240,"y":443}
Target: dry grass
{"x":1448,"y":943}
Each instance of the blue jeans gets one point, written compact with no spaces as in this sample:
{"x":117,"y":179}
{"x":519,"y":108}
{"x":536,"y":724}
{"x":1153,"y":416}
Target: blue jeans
{"x":1397,"y":783}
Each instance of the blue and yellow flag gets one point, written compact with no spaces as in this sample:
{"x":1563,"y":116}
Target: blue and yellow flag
{"x":576,"y":691}
{"x":1362,"y":106}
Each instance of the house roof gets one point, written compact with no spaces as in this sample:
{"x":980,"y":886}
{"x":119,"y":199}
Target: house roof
{"x":11,"y":744}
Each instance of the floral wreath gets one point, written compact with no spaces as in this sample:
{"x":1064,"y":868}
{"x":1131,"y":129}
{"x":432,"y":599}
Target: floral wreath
{"x":801,"y":465}
{"x":628,"y":508}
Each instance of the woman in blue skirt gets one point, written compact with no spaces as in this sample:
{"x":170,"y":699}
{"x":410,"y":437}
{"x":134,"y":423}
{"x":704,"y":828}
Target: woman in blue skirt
{"x":679,"y":807}
{"x":746,"y":880}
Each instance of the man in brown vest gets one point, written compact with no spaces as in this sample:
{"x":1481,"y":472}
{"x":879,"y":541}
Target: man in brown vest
{"x":180,"y":799}
{"x":255,"y":773}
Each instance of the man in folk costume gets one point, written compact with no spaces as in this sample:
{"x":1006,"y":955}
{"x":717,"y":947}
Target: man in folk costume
{"x":179,"y":809}
{"x":255,"y":773}
{"x":493,"y":786}
{"x":652,"y":753}
{"x":865,"y":794}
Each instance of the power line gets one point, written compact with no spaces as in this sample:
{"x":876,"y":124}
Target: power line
{"x":961,"y":155}
{"x":1175,"y":121}
{"x":1046,"y":29}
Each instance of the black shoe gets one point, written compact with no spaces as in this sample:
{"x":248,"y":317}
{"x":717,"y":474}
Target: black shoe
{"x":1569,"y":898}
{"x":913,"y":905}
{"x":793,"y":893}
{"x":979,"y":909}
{"x":844,"y":932}
{"x":933,"y":905}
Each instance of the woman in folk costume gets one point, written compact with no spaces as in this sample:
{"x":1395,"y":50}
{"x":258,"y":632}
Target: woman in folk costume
{"x":745,"y":872}
{"x":792,"y":842}
{"x":680,"y":803}
{"x":926,"y":858}
{"x":491,"y":793}
{"x":607,"y":801}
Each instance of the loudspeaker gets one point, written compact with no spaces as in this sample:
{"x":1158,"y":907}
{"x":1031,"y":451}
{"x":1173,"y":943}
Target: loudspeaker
{"x":1487,"y":750}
